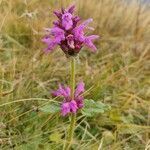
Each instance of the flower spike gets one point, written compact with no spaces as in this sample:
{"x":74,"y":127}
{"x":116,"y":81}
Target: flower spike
{"x":70,"y":105}
{"x":68,"y":33}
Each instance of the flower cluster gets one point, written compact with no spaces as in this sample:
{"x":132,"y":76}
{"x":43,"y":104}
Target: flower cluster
{"x":70,"y":105}
{"x":68,"y":33}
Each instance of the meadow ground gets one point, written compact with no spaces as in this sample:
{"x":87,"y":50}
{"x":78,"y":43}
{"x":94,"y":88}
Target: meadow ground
{"x":116,"y":75}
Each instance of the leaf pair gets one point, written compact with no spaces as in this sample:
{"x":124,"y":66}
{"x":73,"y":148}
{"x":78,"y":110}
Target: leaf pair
{"x":90,"y":108}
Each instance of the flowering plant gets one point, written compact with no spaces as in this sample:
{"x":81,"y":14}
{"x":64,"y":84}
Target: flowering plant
{"x":71,"y":37}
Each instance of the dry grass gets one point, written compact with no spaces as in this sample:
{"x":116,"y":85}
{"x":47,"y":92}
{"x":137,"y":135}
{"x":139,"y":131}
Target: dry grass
{"x":118,"y":75}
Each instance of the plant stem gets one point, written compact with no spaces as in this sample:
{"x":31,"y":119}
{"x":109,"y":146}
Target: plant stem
{"x":72,"y":77}
{"x":73,"y":116}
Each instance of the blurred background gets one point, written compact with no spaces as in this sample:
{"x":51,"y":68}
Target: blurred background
{"x":117,"y":75}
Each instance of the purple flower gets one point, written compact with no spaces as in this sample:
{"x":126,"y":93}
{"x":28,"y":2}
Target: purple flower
{"x":68,"y":34}
{"x":70,"y":105}
{"x":67,"y":21}
{"x":65,"y":108}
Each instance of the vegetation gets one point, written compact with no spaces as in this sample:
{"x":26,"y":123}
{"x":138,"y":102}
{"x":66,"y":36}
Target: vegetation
{"x":117,"y":75}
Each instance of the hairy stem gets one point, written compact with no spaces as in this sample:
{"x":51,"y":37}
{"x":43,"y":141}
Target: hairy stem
{"x":72,"y":77}
{"x":73,"y":116}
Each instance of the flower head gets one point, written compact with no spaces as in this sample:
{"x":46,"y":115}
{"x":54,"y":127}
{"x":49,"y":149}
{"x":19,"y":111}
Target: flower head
{"x":68,"y":34}
{"x":70,"y":105}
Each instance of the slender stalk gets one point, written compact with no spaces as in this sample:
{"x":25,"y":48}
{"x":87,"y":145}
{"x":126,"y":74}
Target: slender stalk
{"x":73,"y":116}
{"x":72,"y":83}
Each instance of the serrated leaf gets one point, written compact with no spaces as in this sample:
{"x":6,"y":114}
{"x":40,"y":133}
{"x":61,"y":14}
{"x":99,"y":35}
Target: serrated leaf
{"x":51,"y":108}
{"x":91,"y":108}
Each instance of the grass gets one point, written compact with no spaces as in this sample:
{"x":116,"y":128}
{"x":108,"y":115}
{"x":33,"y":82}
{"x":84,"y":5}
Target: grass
{"x":118,"y":75}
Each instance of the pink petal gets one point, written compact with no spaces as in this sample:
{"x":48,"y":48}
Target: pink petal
{"x":58,"y":14}
{"x":56,"y":23}
{"x":86,"y":22}
{"x":75,"y":19}
{"x":83,"y":25}
{"x":79,"y":30}
{"x":88,"y":42}
{"x":93,"y":37}
{"x":65,"y":108}
{"x":67,"y":90}
{"x":62,"y":91}
{"x":80,"y":89}
{"x":58,"y":33}
{"x":46,"y":40}
{"x":67,"y":22}
{"x":71,"y":9}
{"x":50,"y":44}
{"x":79,"y":102}
{"x":73,"y":106}
{"x":78,"y":34}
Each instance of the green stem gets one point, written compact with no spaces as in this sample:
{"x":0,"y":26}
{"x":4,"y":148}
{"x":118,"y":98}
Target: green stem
{"x":73,"y":116}
{"x":72,"y":77}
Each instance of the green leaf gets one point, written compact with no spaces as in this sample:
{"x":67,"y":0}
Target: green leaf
{"x":51,"y":108}
{"x":92,"y":108}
